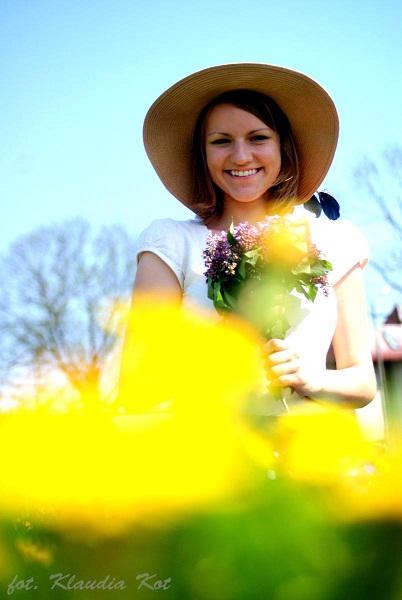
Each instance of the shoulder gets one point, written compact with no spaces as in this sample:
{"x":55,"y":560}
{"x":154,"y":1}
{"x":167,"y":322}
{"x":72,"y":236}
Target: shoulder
{"x":342,"y":242}
{"x":164,"y":228}
{"x":160,"y":227}
{"x":333,"y":233}
{"x":172,"y":241}
{"x":166,"y":231}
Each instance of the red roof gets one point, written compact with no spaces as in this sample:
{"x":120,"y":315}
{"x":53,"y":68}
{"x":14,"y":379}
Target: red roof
{"x":395,"y":317}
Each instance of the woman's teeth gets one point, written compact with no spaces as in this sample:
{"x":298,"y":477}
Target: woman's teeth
{"x":243,"y":173}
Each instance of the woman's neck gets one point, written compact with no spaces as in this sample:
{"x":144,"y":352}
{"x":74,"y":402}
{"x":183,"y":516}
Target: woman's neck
{"x":238,"y":214}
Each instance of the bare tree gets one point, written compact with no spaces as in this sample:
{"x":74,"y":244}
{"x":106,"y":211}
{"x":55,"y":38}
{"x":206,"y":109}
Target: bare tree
{"x":382,"y":185}
{"x":58,"y":295}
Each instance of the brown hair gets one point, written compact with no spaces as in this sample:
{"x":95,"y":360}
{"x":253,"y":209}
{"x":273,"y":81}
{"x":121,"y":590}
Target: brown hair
{"x":208,"y":202}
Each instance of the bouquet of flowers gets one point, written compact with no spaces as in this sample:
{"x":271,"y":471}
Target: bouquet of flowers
{"x":252,"y":270}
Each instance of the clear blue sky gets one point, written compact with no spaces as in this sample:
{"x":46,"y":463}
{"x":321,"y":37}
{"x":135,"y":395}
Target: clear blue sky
{"x":77,"y":77}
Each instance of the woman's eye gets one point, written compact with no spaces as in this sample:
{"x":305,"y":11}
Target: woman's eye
{"x":220,"y":141}
{"x":259,"y":138}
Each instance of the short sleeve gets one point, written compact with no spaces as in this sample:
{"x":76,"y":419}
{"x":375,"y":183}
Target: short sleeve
{"x":343,"y":244}
{"x":162,"y":238}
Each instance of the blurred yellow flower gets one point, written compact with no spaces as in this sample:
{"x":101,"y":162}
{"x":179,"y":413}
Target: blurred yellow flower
{"x":362,"y":479}
{"x":377,"y":493}
{"x":323,"y":446}
{"x":104,"y":472}
{"x":288,"y":243}
{"x":180,"y":442}
{"x":186,"y":357}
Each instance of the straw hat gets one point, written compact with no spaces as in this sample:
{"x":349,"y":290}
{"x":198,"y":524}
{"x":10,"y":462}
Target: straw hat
{"x":170,"y":122}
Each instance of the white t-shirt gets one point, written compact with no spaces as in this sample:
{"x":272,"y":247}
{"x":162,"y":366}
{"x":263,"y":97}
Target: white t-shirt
{"x":180,"y":245}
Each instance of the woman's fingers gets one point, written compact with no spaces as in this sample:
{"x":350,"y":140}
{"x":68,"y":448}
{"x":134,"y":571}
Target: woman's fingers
{"x":276,"y":352}
{"x":274,"y":345}
{"x":281,"y":362}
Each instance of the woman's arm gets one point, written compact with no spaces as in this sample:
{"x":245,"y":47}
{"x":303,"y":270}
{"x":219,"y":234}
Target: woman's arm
{"x":155,"y":278}
{"x":356,"y":378}
{"x":353,"y":383}
{"x":155,"y":282}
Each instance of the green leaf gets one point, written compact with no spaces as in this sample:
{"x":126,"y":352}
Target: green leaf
{"x":278,"y":328}
{"x":252,"y":256}
{"x":312,"y":292}
{"x":321,"y":267}
{"x":230,"y":237}
{"x":211,"y":288}
{"x":219,"y":301}
{"x":302,"y":267}
{"x":241,"y":269}
{"x":230,"y":301}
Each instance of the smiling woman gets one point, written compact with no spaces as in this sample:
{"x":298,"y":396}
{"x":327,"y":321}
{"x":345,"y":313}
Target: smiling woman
{"x":243,"y":165}
{"x":264,"y":134}
{"x":239,"y":144}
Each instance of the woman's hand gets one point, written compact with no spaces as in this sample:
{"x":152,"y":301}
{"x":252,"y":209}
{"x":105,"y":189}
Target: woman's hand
{"x":352,"y":384}
{"x":284,"y":368}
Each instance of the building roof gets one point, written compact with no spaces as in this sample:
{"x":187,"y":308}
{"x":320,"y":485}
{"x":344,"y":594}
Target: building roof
{"x":387,"y":338}
{"x":395,"y":317}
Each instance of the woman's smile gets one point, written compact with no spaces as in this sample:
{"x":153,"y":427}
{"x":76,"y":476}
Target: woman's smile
{"x":247,"y":173}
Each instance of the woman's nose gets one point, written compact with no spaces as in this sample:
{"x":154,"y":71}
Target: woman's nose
{"x":241,"y":153}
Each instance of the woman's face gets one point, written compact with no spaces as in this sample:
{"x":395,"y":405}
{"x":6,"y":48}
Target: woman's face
{"x":243,"y":154}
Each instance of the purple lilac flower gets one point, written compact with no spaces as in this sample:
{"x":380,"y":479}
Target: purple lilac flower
{"x":246,"y":236}
{"x":220,"y":257}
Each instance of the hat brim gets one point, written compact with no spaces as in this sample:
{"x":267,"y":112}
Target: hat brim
{"x":170,"y":121}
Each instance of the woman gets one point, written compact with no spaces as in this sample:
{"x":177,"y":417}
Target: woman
{"x":236,"y":143}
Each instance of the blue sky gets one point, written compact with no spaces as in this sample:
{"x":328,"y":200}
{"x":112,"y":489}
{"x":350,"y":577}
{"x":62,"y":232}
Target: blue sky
{"x":77,"y":77}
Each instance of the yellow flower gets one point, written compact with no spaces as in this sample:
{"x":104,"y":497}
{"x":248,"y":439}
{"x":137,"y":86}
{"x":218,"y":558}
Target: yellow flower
{"x":329,"y":449}
{"x":287,"y":244}
{"x":185,"y":357}
{"x":378,"y":494}
{"x":108,"y":472}
{"x":322,"y":446}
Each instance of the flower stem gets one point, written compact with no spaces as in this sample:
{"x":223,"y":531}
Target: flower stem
{"x":278,"y":395}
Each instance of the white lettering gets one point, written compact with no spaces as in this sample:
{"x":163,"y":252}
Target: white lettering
{"x":145,"y":577}
{"x":62,"y":581}
{"x":19,"y":584}
{"x":165,"y":583}
{"x":157,"y":585}
{"x":58,"y":577}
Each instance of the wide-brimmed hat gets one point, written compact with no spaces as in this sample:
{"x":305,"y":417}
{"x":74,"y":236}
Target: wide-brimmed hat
{"x":169,"y":123}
